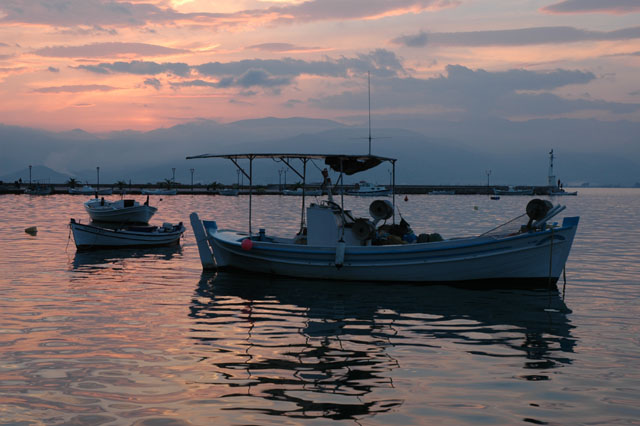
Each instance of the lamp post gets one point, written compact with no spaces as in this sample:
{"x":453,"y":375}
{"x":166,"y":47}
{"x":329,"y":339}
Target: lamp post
{"x":192,"y":170}
{"x":29,"y":174}
{"x":488,"y":172}
{"x":173,"y":178}
{"x":280,"y":179}
{"x":98,"y":174}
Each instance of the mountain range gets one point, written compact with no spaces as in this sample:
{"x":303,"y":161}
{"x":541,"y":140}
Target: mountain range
{"x":428,"y":151}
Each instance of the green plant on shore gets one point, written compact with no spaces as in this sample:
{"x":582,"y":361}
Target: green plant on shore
{"x":121,"y":184}
{"x":72,"y":182}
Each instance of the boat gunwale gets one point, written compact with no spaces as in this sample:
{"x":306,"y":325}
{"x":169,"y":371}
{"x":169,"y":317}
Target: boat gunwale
{"x":406,"y":249}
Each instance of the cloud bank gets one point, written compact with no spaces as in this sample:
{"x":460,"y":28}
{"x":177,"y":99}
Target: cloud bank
{"x":515,"y":37}
{"x":594,"y":6}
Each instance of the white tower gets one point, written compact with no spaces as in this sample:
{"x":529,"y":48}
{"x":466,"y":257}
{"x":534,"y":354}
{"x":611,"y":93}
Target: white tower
{"x":551,"y":180}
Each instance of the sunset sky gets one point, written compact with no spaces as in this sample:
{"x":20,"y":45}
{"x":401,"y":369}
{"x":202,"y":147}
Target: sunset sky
{"x":102,"y":65}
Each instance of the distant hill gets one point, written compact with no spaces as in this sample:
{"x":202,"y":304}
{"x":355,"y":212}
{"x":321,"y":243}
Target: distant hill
{"x":39,"y":173}
{"x":429,"y":152}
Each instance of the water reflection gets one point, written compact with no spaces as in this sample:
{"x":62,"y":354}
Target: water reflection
{"x":312,"y":349}
{"x":99,"y":259}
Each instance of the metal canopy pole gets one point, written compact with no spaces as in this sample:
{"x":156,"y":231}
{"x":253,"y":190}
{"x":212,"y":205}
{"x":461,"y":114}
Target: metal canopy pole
{"x":250,"y":190}
{"x":304,"y":183}
{"x":342,"y":184}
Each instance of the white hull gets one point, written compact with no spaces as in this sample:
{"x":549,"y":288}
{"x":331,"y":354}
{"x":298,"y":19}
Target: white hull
{"x":88,"y":190}
{"x":38,"y":191}
{"x":523,"y":258}
{"x":512,"y":191}
{"x":159,"y":191}
{"x":89,"y":237}
{"x":308,"y":192}
{"x":381,"y":193}
{"x":562,"y":193}
{"x":115,"y":212}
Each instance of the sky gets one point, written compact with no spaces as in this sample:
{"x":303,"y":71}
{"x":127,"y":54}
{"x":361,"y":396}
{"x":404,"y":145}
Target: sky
{"x":108,"y":65}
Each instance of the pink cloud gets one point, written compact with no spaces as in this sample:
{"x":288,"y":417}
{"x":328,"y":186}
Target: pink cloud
{"x":95,"y":50}
{"x":75,"y":88}
{"x":100,"y":13}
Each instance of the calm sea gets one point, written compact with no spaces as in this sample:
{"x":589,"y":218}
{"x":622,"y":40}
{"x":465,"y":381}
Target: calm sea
{"x":144,"y":338}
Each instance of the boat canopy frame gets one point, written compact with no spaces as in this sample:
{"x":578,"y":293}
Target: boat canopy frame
{"x":348,"y":164}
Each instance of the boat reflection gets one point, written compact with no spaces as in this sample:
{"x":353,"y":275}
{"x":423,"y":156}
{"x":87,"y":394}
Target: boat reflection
{"x":99,"y":259}
{"x":321,"y":349}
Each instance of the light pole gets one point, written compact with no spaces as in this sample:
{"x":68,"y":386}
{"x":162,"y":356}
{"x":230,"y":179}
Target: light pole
{"x":488,"y":172}
{"x":29,"y":174}
{"x":98,"y":174}
{"x":173,"y":179}
{"x":280,"y":179}
{"x":192,"y":170}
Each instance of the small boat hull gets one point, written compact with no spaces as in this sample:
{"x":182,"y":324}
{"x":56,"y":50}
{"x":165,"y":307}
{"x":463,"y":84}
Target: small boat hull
{"x":159,"y":191}
{"x":90,"y":237}
{"x":114,"y":212}
{"x":536,"y":258}
{"x":88,"y":190}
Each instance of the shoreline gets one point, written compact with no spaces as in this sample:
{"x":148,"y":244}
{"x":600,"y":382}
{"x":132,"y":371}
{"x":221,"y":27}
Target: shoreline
{"x":274,"y":189}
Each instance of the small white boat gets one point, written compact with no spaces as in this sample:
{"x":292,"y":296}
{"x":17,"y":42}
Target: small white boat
{"x":562,"y":192}
{"x":230,"y":192}
{"x":366,"y":189}
{"x":298,"y":191}
{"x":333,"y":244}
{"x":38,"y":189}
{"x":442,"y":192}
{"x":89,"y":190}
{"x":119,"y":211}
{"x":159,"y":191}
{"x":88,"y":237}
{"x":511,"y":190}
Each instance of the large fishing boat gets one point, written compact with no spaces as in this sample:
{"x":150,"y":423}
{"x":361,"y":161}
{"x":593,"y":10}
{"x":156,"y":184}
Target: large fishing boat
{"x":334,"y":244}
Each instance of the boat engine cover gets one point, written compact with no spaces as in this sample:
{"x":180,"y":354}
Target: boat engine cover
{"x":538,"y":209}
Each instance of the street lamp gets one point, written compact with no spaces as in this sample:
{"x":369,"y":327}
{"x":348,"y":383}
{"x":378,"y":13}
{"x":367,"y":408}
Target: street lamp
{"x":173,"y":179}
{"x":280,"y":179}
{"x":488,"y":172}
{"x":192,"y":170}
{"x":29,"y":174}
{"x":98,"y":173}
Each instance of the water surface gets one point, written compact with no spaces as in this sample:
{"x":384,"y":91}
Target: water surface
{"x":143,"y":337}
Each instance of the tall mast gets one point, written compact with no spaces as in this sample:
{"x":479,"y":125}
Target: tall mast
{"x":369,"y":91}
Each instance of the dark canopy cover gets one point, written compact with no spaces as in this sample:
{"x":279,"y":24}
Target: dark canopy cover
{"x":351,"y":165}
